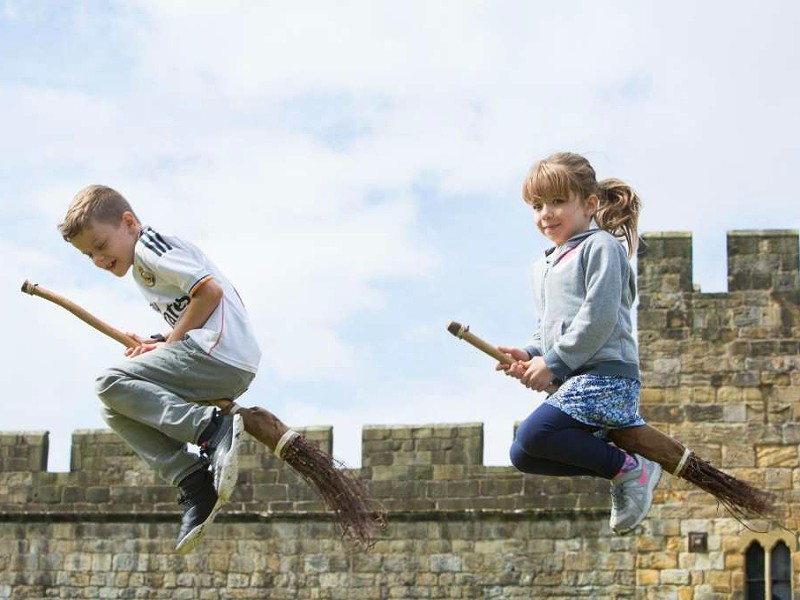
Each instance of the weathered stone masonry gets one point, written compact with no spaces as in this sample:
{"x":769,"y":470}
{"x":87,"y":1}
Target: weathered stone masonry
{"x":720,"y":372}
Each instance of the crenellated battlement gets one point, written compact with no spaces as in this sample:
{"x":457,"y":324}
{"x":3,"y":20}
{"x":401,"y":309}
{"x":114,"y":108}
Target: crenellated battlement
{"x":665,"y":263}
{"x":763,"y":260}
{"x":420,"y":467}
{"x":722,"y":366}
{"x":758,"y":260}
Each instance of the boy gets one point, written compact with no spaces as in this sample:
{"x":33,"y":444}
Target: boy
{"x":161,"y":397}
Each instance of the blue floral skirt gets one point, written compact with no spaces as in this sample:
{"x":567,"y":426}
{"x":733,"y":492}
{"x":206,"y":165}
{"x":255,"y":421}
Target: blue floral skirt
{"x":603,"y":401}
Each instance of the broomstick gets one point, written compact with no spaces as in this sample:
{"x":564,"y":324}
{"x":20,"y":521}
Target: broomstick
{"x":358,"y":515}
{"x":742,"y":500}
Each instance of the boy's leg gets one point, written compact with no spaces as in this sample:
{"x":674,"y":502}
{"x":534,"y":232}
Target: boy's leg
{"x":549,"y":437}
{"x":198,"y":497}
{"x":150,"y":402}
{"x":158,"y":390}
{"x":169,"y":458}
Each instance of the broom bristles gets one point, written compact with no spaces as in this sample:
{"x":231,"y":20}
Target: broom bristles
{"x":359,"y":516}
{"x":742,"y":500}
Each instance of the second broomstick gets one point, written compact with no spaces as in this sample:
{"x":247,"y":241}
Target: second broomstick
{"x":744,"y":501}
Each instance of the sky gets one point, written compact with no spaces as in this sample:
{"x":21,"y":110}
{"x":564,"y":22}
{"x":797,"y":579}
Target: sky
{"x":355,"y":169}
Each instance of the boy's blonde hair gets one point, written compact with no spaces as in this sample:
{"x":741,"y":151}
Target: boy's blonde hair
{"x":93,"y":203}
{"x":565,"y":173}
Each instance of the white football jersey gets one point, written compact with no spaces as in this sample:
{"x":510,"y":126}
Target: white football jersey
{"x":167,"y":269}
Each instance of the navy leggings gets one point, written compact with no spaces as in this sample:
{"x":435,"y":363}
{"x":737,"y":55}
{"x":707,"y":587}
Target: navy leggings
{"x":550,"y":442}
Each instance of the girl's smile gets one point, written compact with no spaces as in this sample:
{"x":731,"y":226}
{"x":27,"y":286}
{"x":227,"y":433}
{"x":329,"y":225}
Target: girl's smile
{"x":558,"y":219}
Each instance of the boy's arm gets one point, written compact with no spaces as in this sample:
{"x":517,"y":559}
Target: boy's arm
{"x":205,"y":298}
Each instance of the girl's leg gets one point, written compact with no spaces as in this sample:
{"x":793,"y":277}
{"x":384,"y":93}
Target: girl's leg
{"x":550,"y":442}
{"x":542,"y":466}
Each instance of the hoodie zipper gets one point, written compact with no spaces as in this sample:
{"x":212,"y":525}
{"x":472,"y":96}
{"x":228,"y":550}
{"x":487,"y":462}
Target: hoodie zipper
{"x":543,"y":296}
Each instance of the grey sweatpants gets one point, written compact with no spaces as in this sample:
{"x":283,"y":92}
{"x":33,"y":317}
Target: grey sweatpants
{"x":159,"y":401}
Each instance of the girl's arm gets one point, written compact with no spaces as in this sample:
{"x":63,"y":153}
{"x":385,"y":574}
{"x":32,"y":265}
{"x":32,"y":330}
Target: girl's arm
{"x":534,"y":345}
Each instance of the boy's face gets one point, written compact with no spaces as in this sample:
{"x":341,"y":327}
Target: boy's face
{"x":110,"y":246}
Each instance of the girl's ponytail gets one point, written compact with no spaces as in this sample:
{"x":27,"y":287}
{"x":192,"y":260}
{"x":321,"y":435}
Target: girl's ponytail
{"x":618,"y":212}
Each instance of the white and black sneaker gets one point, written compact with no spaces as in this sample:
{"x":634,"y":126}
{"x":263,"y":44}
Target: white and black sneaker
{"x":199,"y":501}
{"x":221,"y":450}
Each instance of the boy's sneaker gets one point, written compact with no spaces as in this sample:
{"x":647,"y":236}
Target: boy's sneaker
{"x":199,"y":500}
{"x":221,"y":449}
{"x":632,"y":495}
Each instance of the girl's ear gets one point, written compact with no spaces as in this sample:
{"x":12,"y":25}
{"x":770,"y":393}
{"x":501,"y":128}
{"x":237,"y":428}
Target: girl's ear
{"x":591,"y":205}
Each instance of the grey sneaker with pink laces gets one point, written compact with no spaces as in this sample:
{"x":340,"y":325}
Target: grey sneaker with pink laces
{"x":632,"y":495}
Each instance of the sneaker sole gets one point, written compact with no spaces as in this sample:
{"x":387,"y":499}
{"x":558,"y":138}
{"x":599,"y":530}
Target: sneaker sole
{"x":229,"y":471}
{"x":655,"y":477}
{"x":194,"y":537}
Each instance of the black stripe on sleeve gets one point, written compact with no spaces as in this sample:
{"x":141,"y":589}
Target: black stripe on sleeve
{"x":149,"y":244}
{"x":151,"y":237}
{"x":162,"y":240}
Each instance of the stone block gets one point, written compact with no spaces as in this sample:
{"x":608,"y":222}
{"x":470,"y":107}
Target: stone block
{"x":776,"y":456}
{"x":24,"y":451}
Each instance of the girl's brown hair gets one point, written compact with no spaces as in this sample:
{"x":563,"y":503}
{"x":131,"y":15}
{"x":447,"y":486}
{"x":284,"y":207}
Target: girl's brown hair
{"x":564,"y":173}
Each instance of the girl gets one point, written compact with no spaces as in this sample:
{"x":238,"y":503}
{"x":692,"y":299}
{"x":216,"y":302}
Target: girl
{"x":585,"y":287}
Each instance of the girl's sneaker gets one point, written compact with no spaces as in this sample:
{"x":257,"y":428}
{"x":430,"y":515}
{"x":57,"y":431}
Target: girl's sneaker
{"x":632,"y":495}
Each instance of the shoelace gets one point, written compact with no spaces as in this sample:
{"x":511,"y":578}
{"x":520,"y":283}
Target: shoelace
{"x":205,"y":449}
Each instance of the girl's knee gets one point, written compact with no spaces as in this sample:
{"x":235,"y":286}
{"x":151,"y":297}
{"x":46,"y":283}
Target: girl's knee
{"x":517,"y":456}
{"x":532,"y":435}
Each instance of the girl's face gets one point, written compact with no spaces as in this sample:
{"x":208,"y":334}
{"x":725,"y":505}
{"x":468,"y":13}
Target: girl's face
{"x":560,"y":218}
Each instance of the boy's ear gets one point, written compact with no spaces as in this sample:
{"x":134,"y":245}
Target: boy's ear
{"x":129,"y":220}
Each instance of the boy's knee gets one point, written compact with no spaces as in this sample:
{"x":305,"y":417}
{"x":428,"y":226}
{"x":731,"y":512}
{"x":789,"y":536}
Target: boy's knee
{"x":105,"y":382}
{"x":107,"y":414}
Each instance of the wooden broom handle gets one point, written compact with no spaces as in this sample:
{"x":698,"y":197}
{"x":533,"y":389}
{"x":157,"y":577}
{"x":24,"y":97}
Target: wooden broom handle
{"x":34,"y":289}
{"x":463,"y":332}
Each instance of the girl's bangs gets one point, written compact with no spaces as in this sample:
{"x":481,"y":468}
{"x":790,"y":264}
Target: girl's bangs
{"x":546,"y":181}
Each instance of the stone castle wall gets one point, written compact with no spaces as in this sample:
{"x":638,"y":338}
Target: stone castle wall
{"x":720,"y":374}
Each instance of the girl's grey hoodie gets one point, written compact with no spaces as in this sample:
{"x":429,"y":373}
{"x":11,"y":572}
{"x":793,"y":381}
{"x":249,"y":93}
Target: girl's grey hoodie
{"x":585,"y":290}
